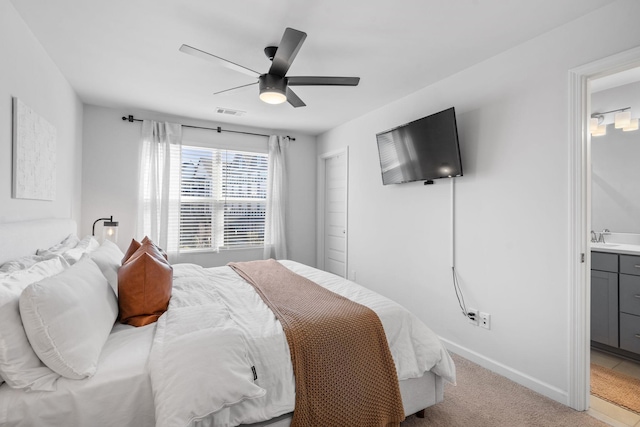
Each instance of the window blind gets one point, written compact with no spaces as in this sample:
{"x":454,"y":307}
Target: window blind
{"x":223,"y":198}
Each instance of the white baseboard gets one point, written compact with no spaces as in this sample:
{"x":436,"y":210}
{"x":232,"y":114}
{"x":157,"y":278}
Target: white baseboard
{"x":561,"y":396}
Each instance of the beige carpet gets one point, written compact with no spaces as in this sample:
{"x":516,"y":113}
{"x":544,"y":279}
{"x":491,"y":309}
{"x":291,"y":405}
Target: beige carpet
{"x":485,"y":399}
{"x":615,"y":387}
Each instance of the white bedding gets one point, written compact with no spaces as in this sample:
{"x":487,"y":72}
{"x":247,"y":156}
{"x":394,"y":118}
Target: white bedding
{"x":121,"y":392}
{"x":414,"y":347}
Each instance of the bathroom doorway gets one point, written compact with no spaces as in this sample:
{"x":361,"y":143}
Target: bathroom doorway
{"x":579,"y":227}
{"x":615,"y":240}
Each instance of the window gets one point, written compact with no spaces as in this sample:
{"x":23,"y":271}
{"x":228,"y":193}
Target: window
{"x":222,"y":198}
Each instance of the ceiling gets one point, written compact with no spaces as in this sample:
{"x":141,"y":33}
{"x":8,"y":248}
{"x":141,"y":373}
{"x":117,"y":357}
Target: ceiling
{"x":124,"y":54}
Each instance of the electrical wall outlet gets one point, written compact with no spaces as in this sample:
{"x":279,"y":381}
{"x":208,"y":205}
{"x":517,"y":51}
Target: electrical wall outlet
{"x":485,"y":320}
{"x":472,"y":316}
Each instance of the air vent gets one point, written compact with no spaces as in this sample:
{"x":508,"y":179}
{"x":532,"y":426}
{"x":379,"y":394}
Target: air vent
{"x":229,"y":111}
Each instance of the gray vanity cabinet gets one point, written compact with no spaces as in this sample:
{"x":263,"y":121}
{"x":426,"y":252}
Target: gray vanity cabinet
{"x":615,"y":302}
{"x":604,"y":298}
{"x":630,"y":303}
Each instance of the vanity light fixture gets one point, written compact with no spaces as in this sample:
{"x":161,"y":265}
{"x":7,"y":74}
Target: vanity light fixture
{"x":622,"y":120}
{"x":109,"y":230}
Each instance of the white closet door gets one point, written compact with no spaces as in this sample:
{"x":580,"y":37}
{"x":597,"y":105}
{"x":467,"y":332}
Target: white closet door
{"x":335,"y":215}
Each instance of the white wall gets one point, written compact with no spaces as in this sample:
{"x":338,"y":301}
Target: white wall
{"x":615,"y":189}
{"x":512,"y":206}
{"x":27,"y":72}
{"x":110,"y":174}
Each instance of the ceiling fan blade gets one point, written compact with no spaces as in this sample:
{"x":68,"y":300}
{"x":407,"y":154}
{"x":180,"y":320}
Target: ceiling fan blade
{"x":294,"y":100}
{"x":221,"y":61}
{"x":234,"y":88}
{"x":287,"y":50}
{"x":323,"y":81}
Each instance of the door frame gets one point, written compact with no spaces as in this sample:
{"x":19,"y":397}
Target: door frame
{"x":322,"y":173}
{"x":580,"y":218}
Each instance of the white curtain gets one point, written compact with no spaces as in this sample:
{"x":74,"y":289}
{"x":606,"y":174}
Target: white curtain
{"x":159,"y":184}
{"x":275,"y":240}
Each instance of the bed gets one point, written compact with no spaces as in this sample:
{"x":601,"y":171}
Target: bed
{"x":126,"y":387}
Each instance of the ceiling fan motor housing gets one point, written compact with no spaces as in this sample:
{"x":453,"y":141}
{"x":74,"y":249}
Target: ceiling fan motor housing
{"x":270,"y":83}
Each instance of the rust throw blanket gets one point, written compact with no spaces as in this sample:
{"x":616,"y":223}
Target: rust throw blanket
{"x":344,"y":372}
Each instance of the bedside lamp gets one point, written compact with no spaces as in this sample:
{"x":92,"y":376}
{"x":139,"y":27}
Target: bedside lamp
{"x":109,"y":230}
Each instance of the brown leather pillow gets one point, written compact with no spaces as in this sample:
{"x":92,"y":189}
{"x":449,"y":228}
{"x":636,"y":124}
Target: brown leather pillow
{"x":145,"y":281}
{"x":134,"y":246}
{"x":162,"y":252}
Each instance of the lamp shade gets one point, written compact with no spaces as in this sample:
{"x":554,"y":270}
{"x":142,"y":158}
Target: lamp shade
{"x":600,"y":131}
{"x":110,"y":231}
{"x":633,"y":125}
{"x":622,"y":119}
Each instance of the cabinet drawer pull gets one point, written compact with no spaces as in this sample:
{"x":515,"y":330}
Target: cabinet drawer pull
{"x":637,"y":266}
{"x":636,"y":296}
{"x":638,"y":336}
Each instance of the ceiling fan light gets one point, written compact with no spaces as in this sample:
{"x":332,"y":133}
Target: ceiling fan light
{"x":622,"y":119}
{"x":633,"y":125}
{"x":273,"y":97}
{"x":273,"y":89}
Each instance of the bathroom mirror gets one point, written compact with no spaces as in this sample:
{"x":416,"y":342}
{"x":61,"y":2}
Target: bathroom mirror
{"x":615,"y":162}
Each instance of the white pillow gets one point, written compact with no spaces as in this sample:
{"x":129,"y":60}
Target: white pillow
{"x":87,"y":245}
{"x":20,"y":367}
{"x":20,"y":279}
{"x":69,"y":242}
{"x":68,"y":318}
{"x":109,"y":258}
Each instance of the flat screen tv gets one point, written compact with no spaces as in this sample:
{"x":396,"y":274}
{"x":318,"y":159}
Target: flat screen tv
{"x":422,"y":150}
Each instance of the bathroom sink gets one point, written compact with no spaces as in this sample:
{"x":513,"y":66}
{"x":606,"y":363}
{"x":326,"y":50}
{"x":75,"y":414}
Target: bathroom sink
{"x":619,"y":248}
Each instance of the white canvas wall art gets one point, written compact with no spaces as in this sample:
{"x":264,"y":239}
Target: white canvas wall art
{"x":34,"y":154}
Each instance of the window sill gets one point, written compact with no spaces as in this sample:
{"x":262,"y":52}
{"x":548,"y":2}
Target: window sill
{"x":212,"y":251}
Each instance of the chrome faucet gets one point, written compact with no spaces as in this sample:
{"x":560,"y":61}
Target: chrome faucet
{"x":602,"y":234}
{"x":594,"y":238}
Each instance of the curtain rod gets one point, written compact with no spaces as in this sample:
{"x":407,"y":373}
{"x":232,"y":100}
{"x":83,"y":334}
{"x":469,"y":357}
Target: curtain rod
{"x":218,"y":129}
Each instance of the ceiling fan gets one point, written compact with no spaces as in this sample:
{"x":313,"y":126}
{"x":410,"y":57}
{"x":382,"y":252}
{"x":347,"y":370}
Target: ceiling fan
{"x":275,"y":85}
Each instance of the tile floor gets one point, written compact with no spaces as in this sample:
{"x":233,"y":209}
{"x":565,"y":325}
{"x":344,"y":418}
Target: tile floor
{"x":608,"y":412}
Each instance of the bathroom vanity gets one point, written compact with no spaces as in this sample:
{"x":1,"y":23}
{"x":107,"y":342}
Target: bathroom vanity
{"x":615,"y":298}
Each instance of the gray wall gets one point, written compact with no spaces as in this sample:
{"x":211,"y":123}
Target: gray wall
{"x":110,"y":179}
{"x":27,"y":72}
{"x":615,"y":164}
